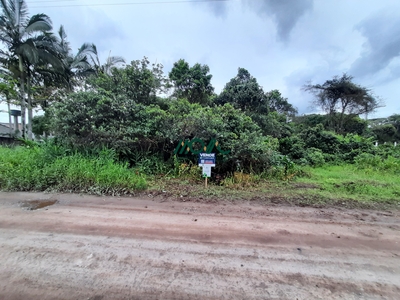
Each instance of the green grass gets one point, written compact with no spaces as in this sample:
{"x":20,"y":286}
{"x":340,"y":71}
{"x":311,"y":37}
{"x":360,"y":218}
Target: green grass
{"x":349,"y":182}
{"x":340,"y":186}
{"x":370,"y":183}
{"x":49,"y":168}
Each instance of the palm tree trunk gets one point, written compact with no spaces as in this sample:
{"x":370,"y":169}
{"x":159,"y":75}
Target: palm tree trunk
{"x":30,"y":113}
{"x":9,"y":117}
{"x":22,"y":96}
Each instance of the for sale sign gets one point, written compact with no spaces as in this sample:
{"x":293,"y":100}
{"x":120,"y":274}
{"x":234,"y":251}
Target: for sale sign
{"x":207,"y":159}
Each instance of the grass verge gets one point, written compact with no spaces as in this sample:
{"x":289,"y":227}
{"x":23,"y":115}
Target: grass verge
{"x":361,"y":185}
{"x":340,"y":186}
{"x":46,"y":169}
{"x":52,"y":168}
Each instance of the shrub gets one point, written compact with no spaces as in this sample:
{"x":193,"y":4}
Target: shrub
{"x":367,"y":161}
{"x":315,"y":157}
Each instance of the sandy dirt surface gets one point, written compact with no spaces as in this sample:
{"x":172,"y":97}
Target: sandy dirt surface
{"x":87,"y":247}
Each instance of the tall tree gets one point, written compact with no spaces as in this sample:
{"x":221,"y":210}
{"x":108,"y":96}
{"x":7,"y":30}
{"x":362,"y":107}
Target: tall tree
{"x":244,"y":92}
{"x":17,"y":32}
{"x":192,"y":83}
{"x":54,"y":84}
{"x":140,"y":81}
{"x":50,"y":60}
{"x":276,"y":102}
{"x":76,"y":66}
{"x":341,"y":95}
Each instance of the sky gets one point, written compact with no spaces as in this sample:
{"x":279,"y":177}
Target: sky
{"x":284,"y":44}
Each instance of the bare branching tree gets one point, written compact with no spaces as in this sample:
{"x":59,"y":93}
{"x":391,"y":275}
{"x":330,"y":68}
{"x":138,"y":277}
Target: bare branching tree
{"x":340,"y":96}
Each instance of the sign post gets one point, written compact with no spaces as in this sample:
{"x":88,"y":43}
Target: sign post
{"x":206,"y":161}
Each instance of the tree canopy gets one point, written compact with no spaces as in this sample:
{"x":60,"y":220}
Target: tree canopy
{"x":244,"y":92}
{"x":278,"y":103}
{"x":342,"y":95}
{"x":192,"y":83}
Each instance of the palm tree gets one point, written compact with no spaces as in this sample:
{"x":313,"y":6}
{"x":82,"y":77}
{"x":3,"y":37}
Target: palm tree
{"x":112,"y":62}
{"x":52,"y":83}
{"x":50,"y":61}
{"x":75,"y":66}
{"x":18,"y":33}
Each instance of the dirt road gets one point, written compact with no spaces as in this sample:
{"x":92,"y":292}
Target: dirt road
{"x":87,"y":247}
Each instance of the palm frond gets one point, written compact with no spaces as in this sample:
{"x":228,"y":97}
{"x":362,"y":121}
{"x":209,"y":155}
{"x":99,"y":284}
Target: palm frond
{"x":5,"y":22}
{"x":39,"y":22}
{"x":48,"y":58}
{"x":114,"y":60}
{"x":87,"y":49}
{"x":5,"y":8}
{"x":61,"y":33}
{"x":6,"y":39}
{"x":97,"y":62}
{"x":94,"y":48}
{"x":65,"y":45}
{"x":28,"y":51}
{"x":84,"y":73}
{"x":80,"y":64}
{"x":21,"y":14}
{"x":9,"y":11}
{"x":50,"y":42}
{"x":5,"y":72}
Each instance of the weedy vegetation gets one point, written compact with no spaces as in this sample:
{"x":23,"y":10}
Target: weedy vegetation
{"x":52,"y":168}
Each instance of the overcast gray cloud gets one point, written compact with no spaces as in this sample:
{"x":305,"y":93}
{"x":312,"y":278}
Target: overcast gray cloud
{"x":382,"y":46}
{"x":218,"y":8}
{"x":285,"y":13}
{"x":95,"y":26}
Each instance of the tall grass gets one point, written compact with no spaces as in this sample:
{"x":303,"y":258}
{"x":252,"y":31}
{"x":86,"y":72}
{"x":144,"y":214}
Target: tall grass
{"x":51,"y":167}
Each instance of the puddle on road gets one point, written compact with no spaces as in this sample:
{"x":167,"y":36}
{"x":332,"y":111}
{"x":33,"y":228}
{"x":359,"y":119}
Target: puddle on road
{"x":37,"y":204}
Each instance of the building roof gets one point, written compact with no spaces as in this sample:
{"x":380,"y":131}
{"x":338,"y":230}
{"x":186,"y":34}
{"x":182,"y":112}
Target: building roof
{"x":12,"y":125}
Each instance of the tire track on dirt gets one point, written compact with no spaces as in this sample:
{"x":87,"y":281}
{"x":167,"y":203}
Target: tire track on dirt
{"x":85,"y":250}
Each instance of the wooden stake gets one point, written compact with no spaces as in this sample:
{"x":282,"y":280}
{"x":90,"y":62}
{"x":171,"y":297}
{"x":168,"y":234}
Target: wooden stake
{"x":206,"y":182}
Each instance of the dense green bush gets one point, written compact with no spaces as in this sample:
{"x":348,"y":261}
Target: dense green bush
{"x":370,"y":162}
{"x":316,"y":137}
{"x":281,"y":167}
{"x":234,"y":130}
{"x":98,"y":119}
{"x":315,"y":146}
{"x":315,"y":157}
{"x":93,"y":119}
{"x":293,"y":146}
{"x":122,"y":112}
{"x":387,"y":150}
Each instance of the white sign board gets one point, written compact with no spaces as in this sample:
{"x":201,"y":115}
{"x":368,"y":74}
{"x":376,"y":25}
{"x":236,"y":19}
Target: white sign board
{"x":206,"y":170}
